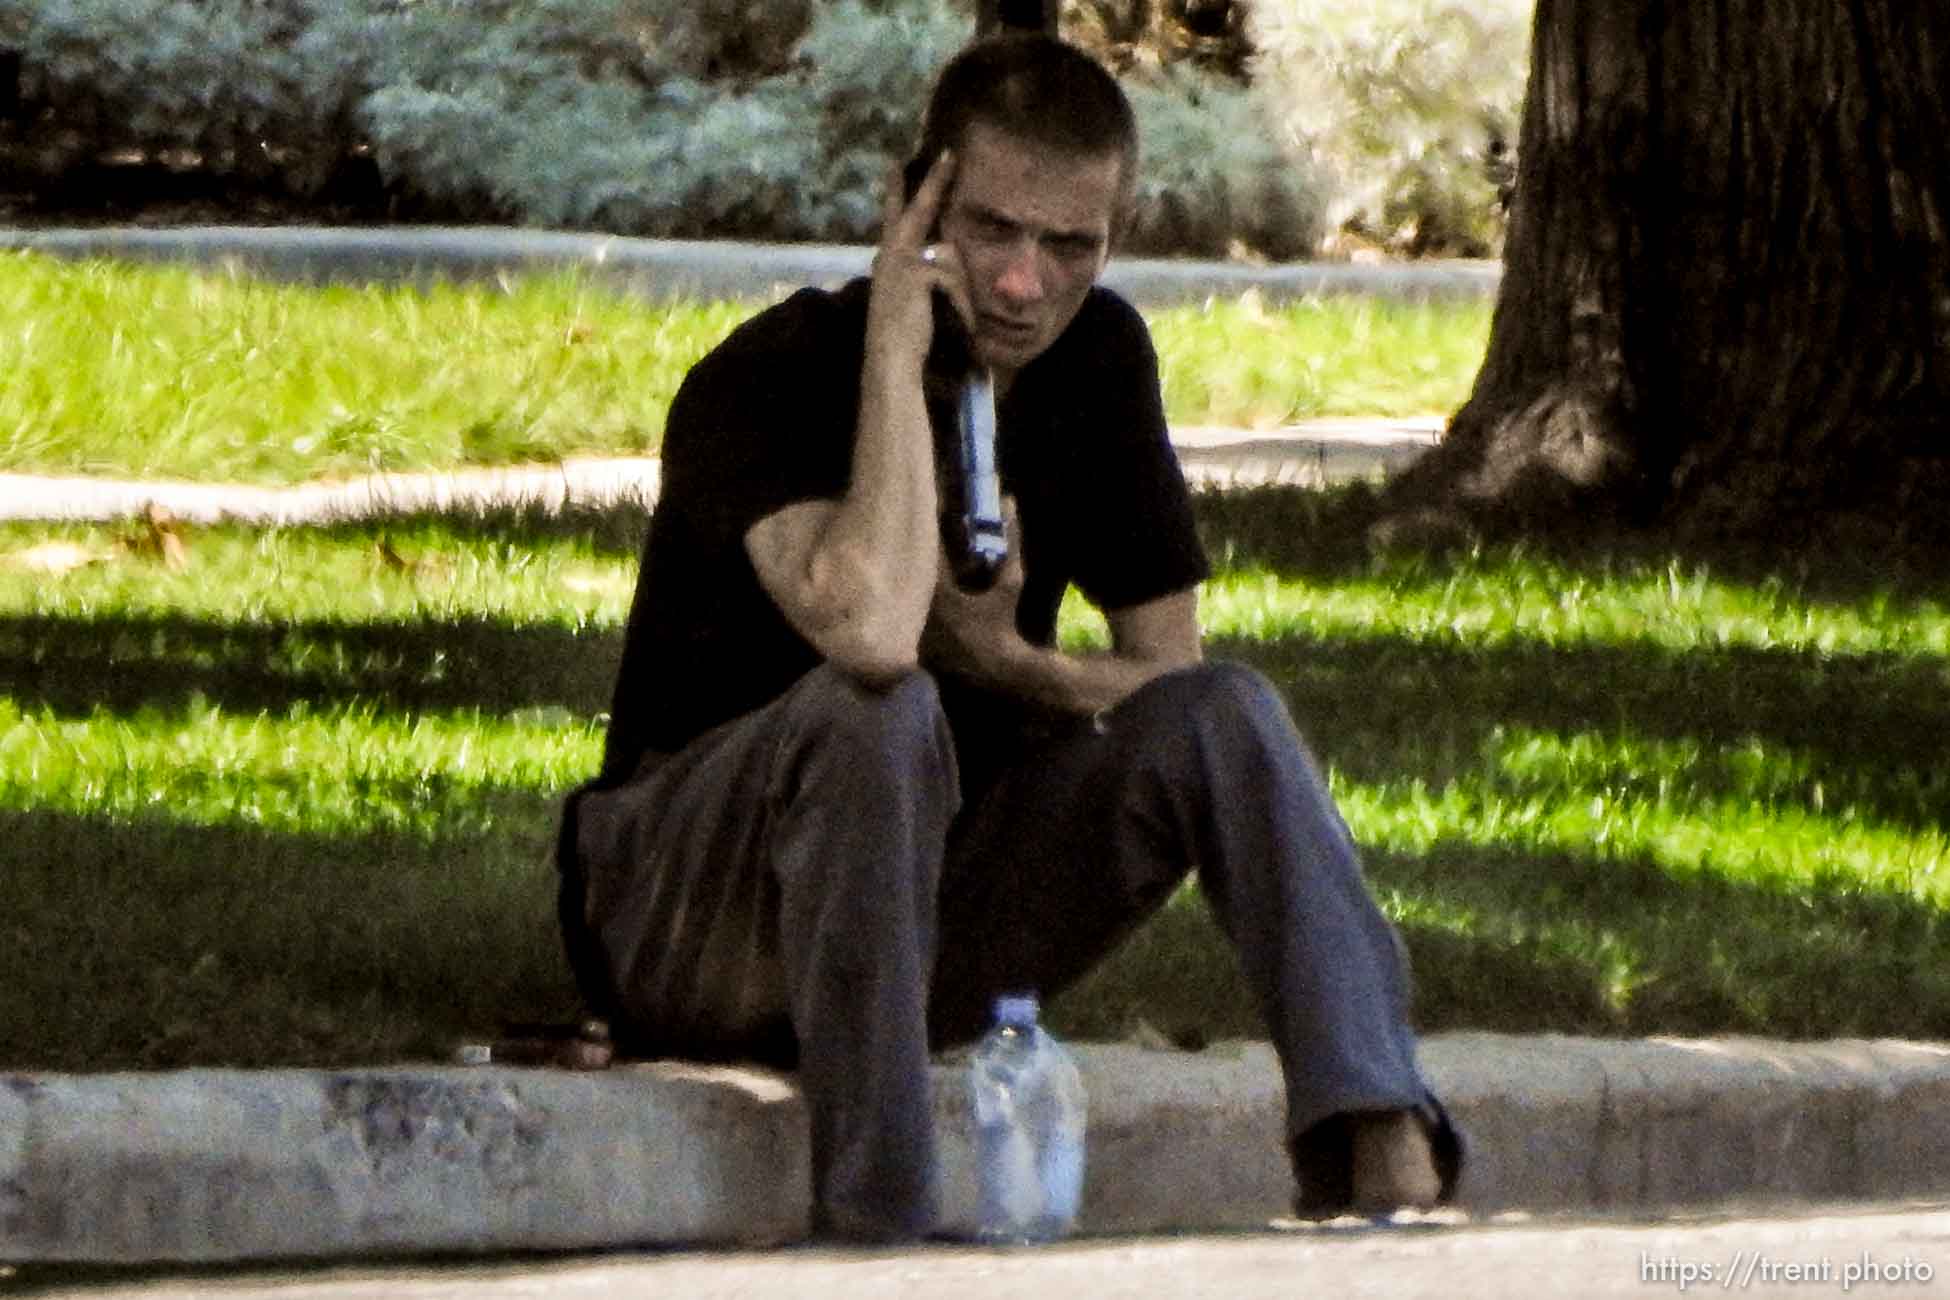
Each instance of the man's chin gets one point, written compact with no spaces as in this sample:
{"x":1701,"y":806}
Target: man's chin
{"x":1006,"y":353}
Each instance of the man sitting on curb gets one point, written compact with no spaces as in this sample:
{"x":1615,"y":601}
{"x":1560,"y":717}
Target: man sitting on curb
{"x":844,"y":803}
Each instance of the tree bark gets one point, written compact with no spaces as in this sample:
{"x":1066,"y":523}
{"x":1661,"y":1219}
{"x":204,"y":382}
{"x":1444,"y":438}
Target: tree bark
{"x":1726,"y":296}
{"x":1016,"y":15}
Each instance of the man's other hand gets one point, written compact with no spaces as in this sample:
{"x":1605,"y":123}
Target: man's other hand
{"x":973,"y":634}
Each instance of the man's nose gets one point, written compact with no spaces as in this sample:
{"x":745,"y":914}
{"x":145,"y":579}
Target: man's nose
{"x":1022,"y":275}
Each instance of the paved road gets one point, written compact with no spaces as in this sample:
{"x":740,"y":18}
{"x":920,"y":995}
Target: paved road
{"x":658,"y":268}
{"x":1893,"y":1251}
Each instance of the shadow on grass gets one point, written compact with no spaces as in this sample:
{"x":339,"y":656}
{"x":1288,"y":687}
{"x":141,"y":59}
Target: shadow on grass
{"x":149,"y":943}
{"x":154,"y":943}
{"x":122,"y":662}
{"x":1652,"y":950}
{"x":1381,"y":708}
{"x":74,"y":665}
{"x":607,"y":530}
{"x":1322,"y":533}
{"x":1573,"y":943}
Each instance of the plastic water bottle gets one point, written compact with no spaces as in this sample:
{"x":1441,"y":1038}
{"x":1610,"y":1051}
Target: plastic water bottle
{"x":1029,"y":1118}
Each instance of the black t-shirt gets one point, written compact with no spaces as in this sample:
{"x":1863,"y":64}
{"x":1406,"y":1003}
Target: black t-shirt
{"x":768,"y":419}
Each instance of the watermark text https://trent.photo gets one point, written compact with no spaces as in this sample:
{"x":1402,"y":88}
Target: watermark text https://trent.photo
{"x":1744,"y":1268}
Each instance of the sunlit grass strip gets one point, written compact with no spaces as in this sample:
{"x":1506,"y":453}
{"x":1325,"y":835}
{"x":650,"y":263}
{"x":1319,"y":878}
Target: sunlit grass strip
{"x":360,"y":768}
{"x":1234,"y":361}
{"x":349,"y":769}
{"x":294,"y":802}
{"x":159,"y":372}
{"x":165,"y":371}
{"x":1512,"y":598}
{"x":1612,"y":965}
{"x":421,"y":570}
{"x":1782,"y":848}
{"x":1753,"y":774}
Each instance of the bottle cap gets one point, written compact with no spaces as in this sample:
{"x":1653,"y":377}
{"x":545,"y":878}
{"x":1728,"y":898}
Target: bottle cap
{"x":1018,"y":1009}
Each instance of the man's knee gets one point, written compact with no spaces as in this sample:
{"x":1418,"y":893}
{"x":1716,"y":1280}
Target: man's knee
{"x":1219,"y":699}
{"x":902,"y":715}
{"x":1237,"y":689}
{"x":874,"y":733}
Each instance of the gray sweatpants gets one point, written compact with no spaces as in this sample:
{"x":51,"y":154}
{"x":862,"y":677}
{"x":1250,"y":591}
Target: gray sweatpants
{"x":801,"y":885}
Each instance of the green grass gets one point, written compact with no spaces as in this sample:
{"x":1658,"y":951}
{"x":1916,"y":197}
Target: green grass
{"x":146,"y":372}
{"x":1612,"y":792}
{"x":293,"y":803}
{"x":1234,"y":362}
{"x":141,"y":371}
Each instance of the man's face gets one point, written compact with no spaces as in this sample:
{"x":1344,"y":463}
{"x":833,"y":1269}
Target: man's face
{"x":1032,"y":225}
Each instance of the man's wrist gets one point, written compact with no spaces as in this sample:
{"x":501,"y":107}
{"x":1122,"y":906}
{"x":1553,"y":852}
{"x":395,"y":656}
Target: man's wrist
{"x":1022,"y":665}
{"x":1003,"y":662}
{"x":1044,"y":675}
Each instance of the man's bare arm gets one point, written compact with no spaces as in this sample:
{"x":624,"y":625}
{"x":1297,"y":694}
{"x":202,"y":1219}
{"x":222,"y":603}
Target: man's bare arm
{"x":855,"y":576}
{"x":1147,"y":641}
{"x":976,"y":637}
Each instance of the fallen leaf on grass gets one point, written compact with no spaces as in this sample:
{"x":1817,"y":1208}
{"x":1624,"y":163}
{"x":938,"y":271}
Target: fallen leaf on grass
{"x":54,"y":558}
{"x":438,"y":567}
{"x":160,"y":535}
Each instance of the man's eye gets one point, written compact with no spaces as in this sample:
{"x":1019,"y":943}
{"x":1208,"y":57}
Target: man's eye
{"x":1072,"y":248}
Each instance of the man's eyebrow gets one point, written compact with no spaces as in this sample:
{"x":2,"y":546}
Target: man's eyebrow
{"x":993,"y":215}
{"x":986,"y":213}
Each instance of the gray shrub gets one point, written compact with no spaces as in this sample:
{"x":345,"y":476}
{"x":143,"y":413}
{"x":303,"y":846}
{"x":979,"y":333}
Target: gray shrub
{"x":692,"y":118}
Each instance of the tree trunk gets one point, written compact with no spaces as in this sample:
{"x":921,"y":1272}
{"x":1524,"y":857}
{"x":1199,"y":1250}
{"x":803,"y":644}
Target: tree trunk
{"x":1016,"y":15}
{"x":1726,"y":297}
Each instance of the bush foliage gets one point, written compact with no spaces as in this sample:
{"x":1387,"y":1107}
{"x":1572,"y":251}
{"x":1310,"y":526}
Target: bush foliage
{"x":694,"y":118}
{"x":1409,"y":108}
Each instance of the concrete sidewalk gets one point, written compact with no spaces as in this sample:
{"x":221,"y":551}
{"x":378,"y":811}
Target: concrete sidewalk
{"x":212,"y":1165}
{"x":1900,"y":1249}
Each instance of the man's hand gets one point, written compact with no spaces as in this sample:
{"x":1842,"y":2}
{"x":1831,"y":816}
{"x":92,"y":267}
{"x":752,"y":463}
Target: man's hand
{"x":973,"y":634}
{"x":908,"y":266}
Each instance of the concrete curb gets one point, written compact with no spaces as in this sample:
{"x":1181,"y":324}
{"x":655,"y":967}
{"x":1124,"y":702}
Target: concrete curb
{"x":578,"y":481}
{"x":1313,"y":455}
{"x":664,"y":268}
{"x":211,"y":1165}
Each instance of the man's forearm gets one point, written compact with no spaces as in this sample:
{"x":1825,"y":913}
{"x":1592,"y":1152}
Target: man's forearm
{"x":1078,"y":683}
{"x":862,"y":592}
{"x":890,"y":509}
{"x":870,"y":572}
